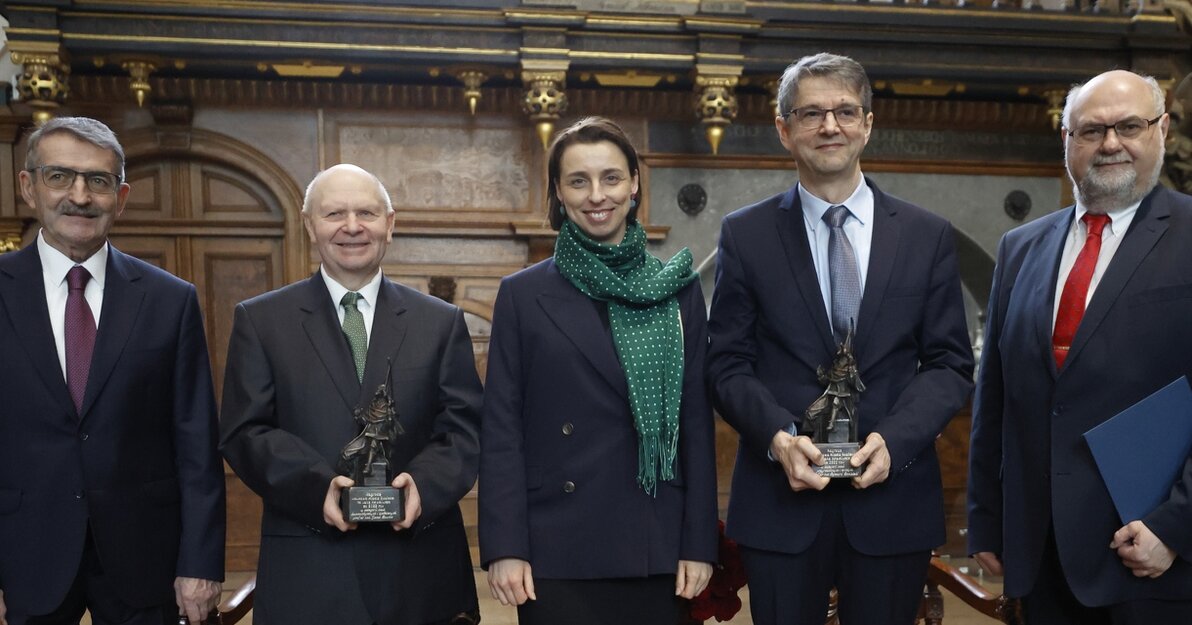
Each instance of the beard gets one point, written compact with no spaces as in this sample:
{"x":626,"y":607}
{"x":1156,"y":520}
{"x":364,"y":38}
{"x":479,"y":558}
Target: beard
{"x":1102,"y":192}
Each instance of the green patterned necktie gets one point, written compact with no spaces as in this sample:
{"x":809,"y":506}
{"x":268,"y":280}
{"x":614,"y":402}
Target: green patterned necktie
{"x":354,"y":330}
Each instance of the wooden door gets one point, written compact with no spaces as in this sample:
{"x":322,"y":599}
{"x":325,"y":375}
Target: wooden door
{"x":223,"y":230}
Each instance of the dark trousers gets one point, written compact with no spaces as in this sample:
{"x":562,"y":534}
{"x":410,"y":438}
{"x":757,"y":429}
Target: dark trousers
{"x":1051,"y":601}
{"x":786,"y":589}
{"x":635,"y":601}
{"x":93,"y":591}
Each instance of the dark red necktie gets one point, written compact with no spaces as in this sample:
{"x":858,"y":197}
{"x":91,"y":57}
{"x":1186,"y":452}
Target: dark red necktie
{"x":1076,"y":289}
{"x":80,"y":334}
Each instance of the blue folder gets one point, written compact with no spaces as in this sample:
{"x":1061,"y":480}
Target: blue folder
{"x":1141,"y":451}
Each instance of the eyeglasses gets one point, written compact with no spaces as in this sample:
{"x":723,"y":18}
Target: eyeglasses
{"x":809,"y":117}
{"x":62,"y":178}
{"x":1128,"y":128}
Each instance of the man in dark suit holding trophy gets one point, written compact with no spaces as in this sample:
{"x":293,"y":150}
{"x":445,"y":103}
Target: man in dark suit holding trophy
{"x":304,"y":362}
{"x":796,"y":275}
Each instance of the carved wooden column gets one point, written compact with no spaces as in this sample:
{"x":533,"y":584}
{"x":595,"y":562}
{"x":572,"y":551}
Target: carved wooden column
{"x":12,"y":225}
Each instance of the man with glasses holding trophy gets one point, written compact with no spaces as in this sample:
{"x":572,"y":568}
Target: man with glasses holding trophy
{"x":836,"y":289}
{"x":111,"y":485}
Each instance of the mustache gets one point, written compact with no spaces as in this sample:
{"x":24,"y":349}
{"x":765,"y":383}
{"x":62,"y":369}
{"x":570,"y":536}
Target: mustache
{"x":74,"y":210}
{"x":1112,"y":159}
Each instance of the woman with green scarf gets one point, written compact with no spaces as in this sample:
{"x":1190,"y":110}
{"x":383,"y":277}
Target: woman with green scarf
{"x":597,"y":469}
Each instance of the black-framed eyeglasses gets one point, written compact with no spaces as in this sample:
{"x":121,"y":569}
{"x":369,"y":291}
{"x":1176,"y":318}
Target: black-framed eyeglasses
{"x":1128,"y":128}
{"x":62,"y":178}
{"x":809,"y":117}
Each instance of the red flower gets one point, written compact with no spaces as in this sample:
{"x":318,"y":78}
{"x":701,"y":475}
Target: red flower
{"x":720,"y":598}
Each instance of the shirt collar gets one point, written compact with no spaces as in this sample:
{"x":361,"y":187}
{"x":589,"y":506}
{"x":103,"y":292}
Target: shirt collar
{"x":367,"y":292}
{"x":859,"y":204}
{"x":1119,"y":218}
{"x":55,"y":265}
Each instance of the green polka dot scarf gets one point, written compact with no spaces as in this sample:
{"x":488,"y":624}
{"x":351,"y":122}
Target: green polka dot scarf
{"x":647,"y":332}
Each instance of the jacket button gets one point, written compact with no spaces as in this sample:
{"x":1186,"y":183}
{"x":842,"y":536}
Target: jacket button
{"x":84,"y":436}
{"x":569,"y":486}
{"x":568,"y":429}
{"x":78,"y":494}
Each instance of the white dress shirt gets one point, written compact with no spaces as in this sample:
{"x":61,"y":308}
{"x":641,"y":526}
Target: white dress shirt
{"x":1111,"y":239}
{"x":858,"y":228}
{"x":366,"y":304}
{"x":54,"y":267}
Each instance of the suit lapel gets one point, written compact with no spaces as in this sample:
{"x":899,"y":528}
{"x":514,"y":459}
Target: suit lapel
{"x":577,"y":318}
{"x":23,"y":296}
{"x":883,"y":251}
{"x":1038,"y":275}
{"x":793,"y":234}
{"x":122,"y":300}
{"x":385,"y":342}
{"x":326,"y":336}
{"x":1148,"y":226}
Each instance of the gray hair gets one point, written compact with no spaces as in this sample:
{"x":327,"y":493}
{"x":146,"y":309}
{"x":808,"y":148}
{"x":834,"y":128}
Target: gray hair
{"x":824,"y":65}
{"x":84,"y":129}
{"x":1157,"y":95}
{"x":382,"y":193}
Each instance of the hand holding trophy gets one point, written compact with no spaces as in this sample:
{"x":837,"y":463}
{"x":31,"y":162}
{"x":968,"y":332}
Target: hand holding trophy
{"x":831,"y":420}
{"x":365,"y":459}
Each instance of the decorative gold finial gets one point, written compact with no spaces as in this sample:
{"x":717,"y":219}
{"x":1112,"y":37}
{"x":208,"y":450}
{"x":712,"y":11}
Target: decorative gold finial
{"x":545,"y":100}
{"x":716,"y":106}
{"x":138,"y":82}
{"x":1055,"y":106}
{"x":472,"y":79}
{"x":772,"y":88}
{"x":43,"y":82}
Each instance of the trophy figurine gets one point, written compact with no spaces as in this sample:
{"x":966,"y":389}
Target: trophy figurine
{"x":365,"y":459}
{"x":831,"y":420}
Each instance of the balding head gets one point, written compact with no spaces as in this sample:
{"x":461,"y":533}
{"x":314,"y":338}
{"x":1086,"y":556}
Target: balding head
{"x":344,"y":171}
{"x":350,"y":221}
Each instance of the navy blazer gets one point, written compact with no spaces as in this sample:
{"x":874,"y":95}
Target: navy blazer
{"x":289,"y":394}
{"x":558,"y":470}
{"x":138,"y":463}
{"x":1029,"y":464}
{"x":769,"y":332}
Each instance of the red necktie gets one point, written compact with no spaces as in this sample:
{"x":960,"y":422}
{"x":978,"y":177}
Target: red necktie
{"x":1076,"y":289}
{"x":80,"y":334}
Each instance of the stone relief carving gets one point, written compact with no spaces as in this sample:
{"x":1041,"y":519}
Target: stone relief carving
{"x":443,"y":168}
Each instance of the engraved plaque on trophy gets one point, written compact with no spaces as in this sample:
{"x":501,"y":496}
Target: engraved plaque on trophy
{"x":831,"y":420}
{"x":365,"y":459}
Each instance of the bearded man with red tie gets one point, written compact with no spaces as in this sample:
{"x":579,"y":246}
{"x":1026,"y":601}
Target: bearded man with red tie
{"x":1089,"y":313}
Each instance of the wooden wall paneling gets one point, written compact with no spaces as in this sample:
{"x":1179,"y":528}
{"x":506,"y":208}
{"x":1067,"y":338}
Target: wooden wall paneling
{"x":161,"y":251}
{"x":230,"y":270}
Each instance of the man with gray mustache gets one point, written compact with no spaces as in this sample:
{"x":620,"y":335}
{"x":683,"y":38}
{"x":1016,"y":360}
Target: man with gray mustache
{"x":111,"y":486}
{"x":1088,"y":315}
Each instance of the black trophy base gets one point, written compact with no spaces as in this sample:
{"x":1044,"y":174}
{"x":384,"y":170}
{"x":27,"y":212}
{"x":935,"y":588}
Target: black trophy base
{"x":367,"y":504}
{"x":836,"y":457}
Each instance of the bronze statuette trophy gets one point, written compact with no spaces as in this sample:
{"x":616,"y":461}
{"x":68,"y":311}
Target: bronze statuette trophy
{"x":831,"y":420}
{"x":365,"y":459}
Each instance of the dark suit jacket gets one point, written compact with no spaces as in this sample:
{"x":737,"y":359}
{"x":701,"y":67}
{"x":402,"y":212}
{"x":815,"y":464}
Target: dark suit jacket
{"x":1029,"y":465}
{"x":769,"y":331}
{"x":139,"y":462}
{"x":560,"y":455}
{"x":289,"y":394}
